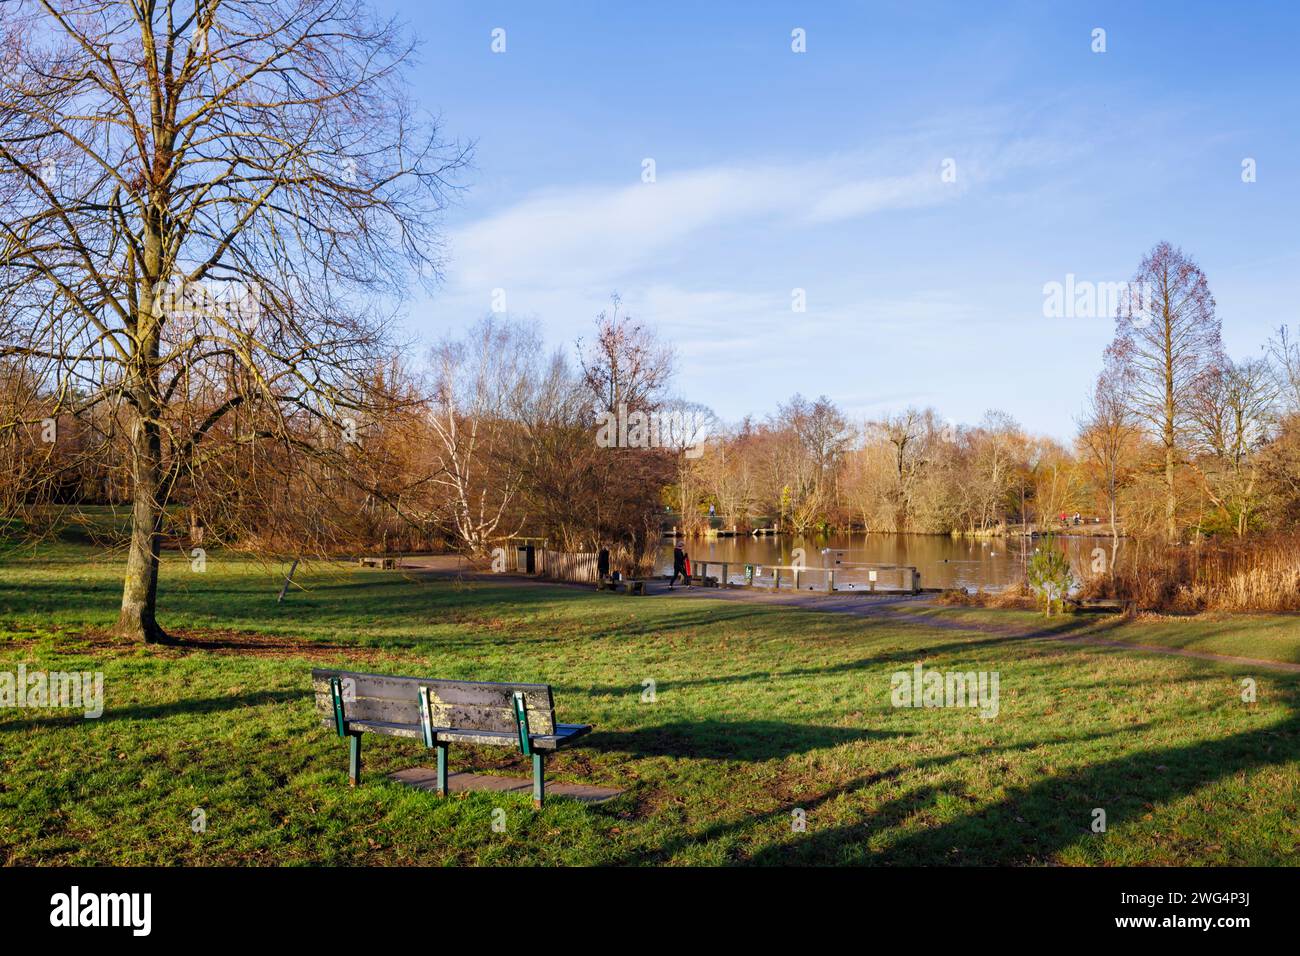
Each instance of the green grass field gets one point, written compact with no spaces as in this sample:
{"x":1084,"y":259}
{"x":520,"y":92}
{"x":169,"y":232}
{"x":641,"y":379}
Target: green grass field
{"x":759,"y":712}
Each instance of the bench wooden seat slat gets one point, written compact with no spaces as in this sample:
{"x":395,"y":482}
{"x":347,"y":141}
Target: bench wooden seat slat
{"x":473,"y":712}
{"x":487,"y":738}
{"x":387,"y":727}
{"x":564,"y":734}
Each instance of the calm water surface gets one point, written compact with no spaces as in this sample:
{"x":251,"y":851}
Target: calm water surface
{"x":943,"y":561}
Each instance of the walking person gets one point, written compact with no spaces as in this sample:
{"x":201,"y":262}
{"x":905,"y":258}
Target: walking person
{"x":679,"y":567}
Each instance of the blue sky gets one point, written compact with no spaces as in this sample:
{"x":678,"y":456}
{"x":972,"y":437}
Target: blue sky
{"x":822,"y":171}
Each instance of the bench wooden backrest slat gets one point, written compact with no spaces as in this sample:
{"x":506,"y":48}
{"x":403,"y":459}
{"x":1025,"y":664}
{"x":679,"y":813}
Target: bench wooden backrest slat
{"x":459,"y":716}
{"x":463,"y":705}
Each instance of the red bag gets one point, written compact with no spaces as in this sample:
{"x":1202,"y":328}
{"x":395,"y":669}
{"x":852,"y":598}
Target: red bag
{"x":688,"y":566}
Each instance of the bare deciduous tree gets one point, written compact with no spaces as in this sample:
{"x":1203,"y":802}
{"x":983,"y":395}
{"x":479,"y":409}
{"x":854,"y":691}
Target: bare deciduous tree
{"x":905,"y":433}
{"x":818,"y":437}
{"x":208,"y":199}
{"x":626,"y":365}
{"x":684,"y":429}
{"x":1108,"y":434}
{"x":1166,"y":335}
{"x":1284,"y":353}
{"x":1232,"y":412}
{"x":626,"y":373}
{"x":479,"y":382}
{"x":994,"y":450}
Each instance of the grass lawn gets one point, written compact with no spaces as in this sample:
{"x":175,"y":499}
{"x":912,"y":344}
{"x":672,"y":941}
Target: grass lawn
{"x":759,"y":712}
{"x":1269,"y":637}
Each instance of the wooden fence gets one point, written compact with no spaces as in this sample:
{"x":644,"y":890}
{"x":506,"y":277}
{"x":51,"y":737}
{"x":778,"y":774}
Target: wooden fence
{"x":567,"y":566}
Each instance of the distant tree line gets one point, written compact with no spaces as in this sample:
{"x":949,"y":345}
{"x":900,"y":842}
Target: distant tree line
{"x":495,"y":438}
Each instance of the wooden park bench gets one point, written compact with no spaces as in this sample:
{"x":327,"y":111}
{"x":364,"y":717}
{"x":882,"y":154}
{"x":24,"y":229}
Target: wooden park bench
{"x":386,"y":564}
{"x":626,"y":585}
{"x":442,"y":712}
{"x":1112,"y":605}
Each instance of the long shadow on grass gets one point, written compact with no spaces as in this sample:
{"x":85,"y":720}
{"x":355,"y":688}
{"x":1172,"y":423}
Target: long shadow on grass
{"x":1033,"y":823}
{"x":903,"y":655}
{"x":191,"y":707}
{"x":544,"y":632}
{"x":730,"y":740}
{"x":883,"y":817}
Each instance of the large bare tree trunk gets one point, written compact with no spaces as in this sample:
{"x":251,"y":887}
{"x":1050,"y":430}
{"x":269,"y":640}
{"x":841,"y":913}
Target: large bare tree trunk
{"x":1171,"y":502}
{"x":137,"y":620}
{"x":1114,"y":530}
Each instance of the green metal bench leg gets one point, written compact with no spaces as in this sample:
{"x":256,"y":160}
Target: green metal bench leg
{"x":442,"y":770}
{"x":354,"y":759}
{"x":539,"y":780}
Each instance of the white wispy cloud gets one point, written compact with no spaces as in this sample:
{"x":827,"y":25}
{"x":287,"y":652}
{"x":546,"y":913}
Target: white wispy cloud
{"x":577,"y":236}
{"x":567,"y":237}
{"x":701,"y":254}
{"x":864,"y":197}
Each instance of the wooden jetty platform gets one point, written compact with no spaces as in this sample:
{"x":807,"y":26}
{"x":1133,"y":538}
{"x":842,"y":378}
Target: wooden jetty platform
{"x":863,"y":578}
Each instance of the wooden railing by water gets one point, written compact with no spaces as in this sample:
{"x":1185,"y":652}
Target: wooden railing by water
{"x":856,"y":577}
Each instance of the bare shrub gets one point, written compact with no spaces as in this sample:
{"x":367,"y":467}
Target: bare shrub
{"x":1257,"y":574}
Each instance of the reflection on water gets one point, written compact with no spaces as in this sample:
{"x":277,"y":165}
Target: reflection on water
{"x":943,"y":561}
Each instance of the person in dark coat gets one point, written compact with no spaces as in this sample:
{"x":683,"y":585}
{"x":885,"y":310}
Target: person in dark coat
{"x":679,"y":567}
{"x":602,"y":564}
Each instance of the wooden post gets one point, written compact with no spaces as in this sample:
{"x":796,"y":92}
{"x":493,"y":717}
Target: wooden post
{"x":830,"y":581}
{"x":776,"y":579}
{"x":287,"y":579}
{"x":354,"y":759}
{"x":539,"y":780}
{"x":796,"y":579}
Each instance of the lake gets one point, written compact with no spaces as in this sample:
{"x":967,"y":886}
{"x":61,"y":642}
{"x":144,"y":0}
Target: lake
{"x":943,"y":561}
